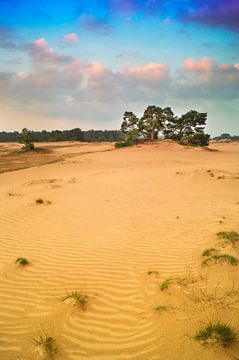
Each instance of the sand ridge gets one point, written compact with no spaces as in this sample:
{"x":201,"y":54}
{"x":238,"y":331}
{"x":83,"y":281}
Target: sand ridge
{"x":113,"y":217}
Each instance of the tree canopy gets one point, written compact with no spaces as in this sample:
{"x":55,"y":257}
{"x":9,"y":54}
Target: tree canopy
{"x":187,"y":129}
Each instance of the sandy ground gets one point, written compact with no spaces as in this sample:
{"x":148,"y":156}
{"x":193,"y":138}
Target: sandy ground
{"x":114,"y":225}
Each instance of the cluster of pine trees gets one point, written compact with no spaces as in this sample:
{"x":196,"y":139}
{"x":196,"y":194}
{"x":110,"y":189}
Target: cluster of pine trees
{"x":186,"y":129}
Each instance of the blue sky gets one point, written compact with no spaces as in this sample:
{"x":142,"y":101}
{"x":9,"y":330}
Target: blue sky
{"x":81,"y":64}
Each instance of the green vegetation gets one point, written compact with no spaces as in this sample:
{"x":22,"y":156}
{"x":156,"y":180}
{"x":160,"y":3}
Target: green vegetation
{"x":232,"y":260}
{"x":67,"y":135}
{"x":22,"y":261}
{"x":165,"y":284}
{"x":229,"y":236}
{"x":152,"y":272}
{"x":25,"y":138}
{"x":208,"y":252}
{"x":79,"y":299}
{"x":220,"y":333}
{"x":160,"y":308}
{"x":47,"y":344}
{"x":187,"y":129}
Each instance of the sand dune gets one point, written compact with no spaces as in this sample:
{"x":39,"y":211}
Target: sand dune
{"x":114,"y":224}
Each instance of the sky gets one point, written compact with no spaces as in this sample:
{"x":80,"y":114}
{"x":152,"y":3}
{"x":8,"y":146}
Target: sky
{"x":73,"y":63}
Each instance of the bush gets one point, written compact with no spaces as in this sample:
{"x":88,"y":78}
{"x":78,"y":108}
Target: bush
{"x":197,"y":139}
{"x":47,"y":344}
{"x":26,"y":139}
{"x":230,"y":236}
{"x":22,"y":261}
{"x":220,"y":333}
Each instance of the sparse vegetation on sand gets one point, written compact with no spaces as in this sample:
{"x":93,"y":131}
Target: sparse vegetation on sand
{"x":230,"y":237}
{"x":208,"y":252}
{"x":46,"y":343}
{"x":217,"y":258}
{"x":78,"y":298}
{"x":160,"y":308}
{"x":152,"y":272}
{"x":165,"y":284}
{"x":218,"y":332}
{"x":22,"y":261}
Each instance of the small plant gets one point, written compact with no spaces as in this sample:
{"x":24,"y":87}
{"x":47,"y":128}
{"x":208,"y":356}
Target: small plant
{"x":79,"y":299}
{"x":39,"y":201}
{"x":22,"y":261}
{"x":26,"y":139}
{"x":208,"y":252}
{"x":232,"y":260}
{"x":165,"y":284}
{"x":230,"y":236}
{"x":46,"y":343}
{"x":152,"y":272}
{"x":220,"y":333}
{"x":160,"y":308}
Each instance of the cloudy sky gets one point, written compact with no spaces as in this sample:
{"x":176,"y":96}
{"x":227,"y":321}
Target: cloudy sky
{"x":76,"y":63}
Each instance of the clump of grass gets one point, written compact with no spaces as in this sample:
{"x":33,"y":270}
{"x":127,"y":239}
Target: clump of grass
{"x":229,"y":236}
{"x":39,"y":201}
{"x":221,"y":177}
{"x":46,"y":343}
{"x":22,"y":261}
{"x":232,"y":260}
{"x":165,"y":284}
{"x":208,"y":252}
{"x":218,"y":332}
{"x":79,"y":299}
{"x":160,"y":308}
{"x":152,"y":272}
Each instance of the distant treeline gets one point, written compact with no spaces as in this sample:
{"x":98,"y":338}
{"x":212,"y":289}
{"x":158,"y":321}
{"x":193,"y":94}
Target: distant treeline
{"x":227,"y":137}
{"x":67,"y":135}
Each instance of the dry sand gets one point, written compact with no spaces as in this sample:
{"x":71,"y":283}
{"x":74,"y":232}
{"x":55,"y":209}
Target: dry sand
{"x":113,"y":217}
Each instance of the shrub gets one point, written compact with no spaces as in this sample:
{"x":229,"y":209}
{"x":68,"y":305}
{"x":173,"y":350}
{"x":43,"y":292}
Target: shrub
{"x":39,"y":201}
{"x":208,"y":252}
{"x":165,"y":284}
{"x":22,"y":261}
{"x":220,"y":333}
{"x":197,"y":139}
{"x":230,"y":236}
{"x":79,"y":299}
{"x":26,"y":139}
{"x":47,"y":344}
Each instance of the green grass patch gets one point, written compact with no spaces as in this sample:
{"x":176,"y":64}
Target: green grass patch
{"x":229,"y":236}
{"x":218,"y":332}
{"x":46,"y":343}
{"x":208,"y":252}
{"x":160,"y":308}
{"x":165,"y":284}
{"x":22,"y":261}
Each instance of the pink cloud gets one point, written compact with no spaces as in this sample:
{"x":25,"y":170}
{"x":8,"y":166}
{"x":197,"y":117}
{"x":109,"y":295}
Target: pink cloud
{"x":152,"y":72}
{"x":71,"y":39}
{"x":202,"y":65}
{"x":40,"y":52}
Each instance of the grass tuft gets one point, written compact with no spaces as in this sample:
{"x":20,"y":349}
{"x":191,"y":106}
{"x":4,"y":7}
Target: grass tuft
{"x":47,"y":344}
{"x":232,"y":260}
{"x":22,"y":261}
{"x":220,"y":333}
{"x":160,"y":308}
{"x":79,"y":299}
{"x":152,"y":272}
{"x":230,"y":236}
{"x":208,"y":251}
{"x":165,"y":284}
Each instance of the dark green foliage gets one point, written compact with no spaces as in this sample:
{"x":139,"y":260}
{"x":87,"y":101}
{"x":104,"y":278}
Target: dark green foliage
{"x":22,"y":261}
{"x":25,"y":138}
{"x":229,"y":236}
{"x":67,"y":135}
{"x":217,"y":258}
{"x":47,"y":344}
{"x":220,"y":333}
{"x":208,"y":252}
{"x":165,"y":284}
{"x":198,"y":139}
